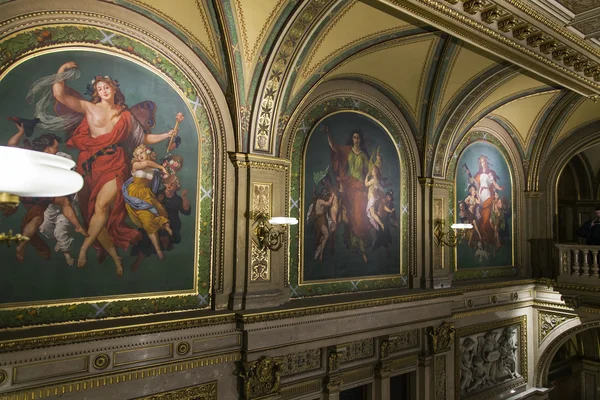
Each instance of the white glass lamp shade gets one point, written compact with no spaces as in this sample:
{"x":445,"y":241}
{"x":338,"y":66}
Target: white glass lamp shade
{"x":461,"y":226}
{"x":36,"y":174}
{"x":283,"y":221}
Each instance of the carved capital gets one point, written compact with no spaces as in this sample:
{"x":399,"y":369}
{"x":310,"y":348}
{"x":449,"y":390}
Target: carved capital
{"x":537,"y":39}
{"x":261,"y":377}
{"x":441,"y":337}
{"x":549,"y":47}
{"x":334,"y":384}
{"x":385,"y":348}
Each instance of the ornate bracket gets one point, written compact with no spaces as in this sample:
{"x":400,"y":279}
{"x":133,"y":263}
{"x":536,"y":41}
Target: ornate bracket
{"x":261,"y":377}
{"x":441,"y":337}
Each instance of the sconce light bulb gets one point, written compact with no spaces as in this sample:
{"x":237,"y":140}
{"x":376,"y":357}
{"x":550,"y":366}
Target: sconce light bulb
{"x":283,"y":221}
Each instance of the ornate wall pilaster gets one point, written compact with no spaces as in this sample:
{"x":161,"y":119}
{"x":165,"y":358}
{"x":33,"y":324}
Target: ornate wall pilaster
{"x":262,"y":188}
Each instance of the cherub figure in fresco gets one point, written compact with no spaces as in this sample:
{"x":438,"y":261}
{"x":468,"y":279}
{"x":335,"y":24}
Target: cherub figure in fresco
{"x":319,"y":211}
{"x":175,"y":205}
{"x":58,"y":227}
{"x":374,"y":194}
{"x":139,"y":193}
{"x":105,"y":131}
{"x":473,"y":210}
{"x":33,"y":219}
{"x":335,"y":211}
{"x":497,"y":220}
{"x":387,"y":214}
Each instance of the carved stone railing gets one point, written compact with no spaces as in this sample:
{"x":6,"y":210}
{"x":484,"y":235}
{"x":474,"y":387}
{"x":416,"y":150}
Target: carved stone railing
{"x":578,"y":263}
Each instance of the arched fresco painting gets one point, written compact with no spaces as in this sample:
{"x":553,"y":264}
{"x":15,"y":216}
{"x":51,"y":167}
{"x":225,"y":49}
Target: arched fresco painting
{"x":351,"y":200}
{"x":484,"y":199}
{"x":140,"y":158}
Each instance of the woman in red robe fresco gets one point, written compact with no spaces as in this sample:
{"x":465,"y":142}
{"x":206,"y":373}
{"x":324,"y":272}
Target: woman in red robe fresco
{"x":103,"y":138}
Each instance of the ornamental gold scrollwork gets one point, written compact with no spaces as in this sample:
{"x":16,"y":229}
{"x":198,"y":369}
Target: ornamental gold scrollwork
{"x":547,"y":322}
{"x":441,"y":337}
{"x":261,"y":377}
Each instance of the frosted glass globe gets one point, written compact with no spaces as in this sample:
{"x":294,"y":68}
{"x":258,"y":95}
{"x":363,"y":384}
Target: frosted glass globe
{"x":36,"y":174}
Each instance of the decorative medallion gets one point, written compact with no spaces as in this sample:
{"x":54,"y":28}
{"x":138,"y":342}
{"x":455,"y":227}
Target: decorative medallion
{"x":547,"y":322}
{"x":183,"y":348}
{"x":101,"y":361}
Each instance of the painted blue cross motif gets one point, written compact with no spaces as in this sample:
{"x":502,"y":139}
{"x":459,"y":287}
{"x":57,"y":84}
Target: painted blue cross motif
{"x":205,"y":193}
{"x":203,"y":299}
{"x":106,"y":38}
{"x":100,"y":310}
{"x":303,"y":128}
{"x":404,"y":209}
{"x":451,"y":211}
{"x":485,"y":273}
{"x":294,"y":204}
{"x":404,"y":279}
{"x":294,"y":290}
{"x":196,"y":103}
{"x":484,"y":136}
{"x":354,"y":285}
{"x":356,"y":103}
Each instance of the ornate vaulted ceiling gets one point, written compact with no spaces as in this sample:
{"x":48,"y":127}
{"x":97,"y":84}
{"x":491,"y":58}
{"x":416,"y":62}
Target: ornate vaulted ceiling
{"x":446,"y":64}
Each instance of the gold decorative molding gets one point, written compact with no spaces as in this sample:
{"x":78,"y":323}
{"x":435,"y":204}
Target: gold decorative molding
{"x":547,"y":322}
{"x":182,"y":348}
{"x":206,"y":391}
{"x":441,"y":337}
{"x":3,"y":377}
{"x":261,"y":377}
{"x":260,"y":257}
{"x":123,"y":376}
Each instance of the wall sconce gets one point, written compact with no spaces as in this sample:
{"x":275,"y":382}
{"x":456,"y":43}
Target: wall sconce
{"x":33,"y":174}
{"x":451,"y":237}
{"x":268,"y":233}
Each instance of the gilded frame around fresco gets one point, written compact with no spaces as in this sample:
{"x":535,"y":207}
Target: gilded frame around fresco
{"x":152,"y":53}
{"x":512,"y":201}
{"x":477,"y":135}
{"x":371,"y":102}
{"x":401,"y":270}
{"x":521,"y":322}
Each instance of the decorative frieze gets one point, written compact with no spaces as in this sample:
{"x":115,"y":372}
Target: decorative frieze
{"x":206,"y":391}
{"x":358,"y":350}
{"x":401,"y":341}
{"x":296,"y":363}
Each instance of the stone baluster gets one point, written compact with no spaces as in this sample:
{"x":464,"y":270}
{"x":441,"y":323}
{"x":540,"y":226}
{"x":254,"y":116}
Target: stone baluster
{"x":575,"y":262}
{"x":595,"y":268}
{"x":584,"y":265}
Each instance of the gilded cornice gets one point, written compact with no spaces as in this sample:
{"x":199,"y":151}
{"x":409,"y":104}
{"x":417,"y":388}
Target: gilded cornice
{"x":530,"y":40}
